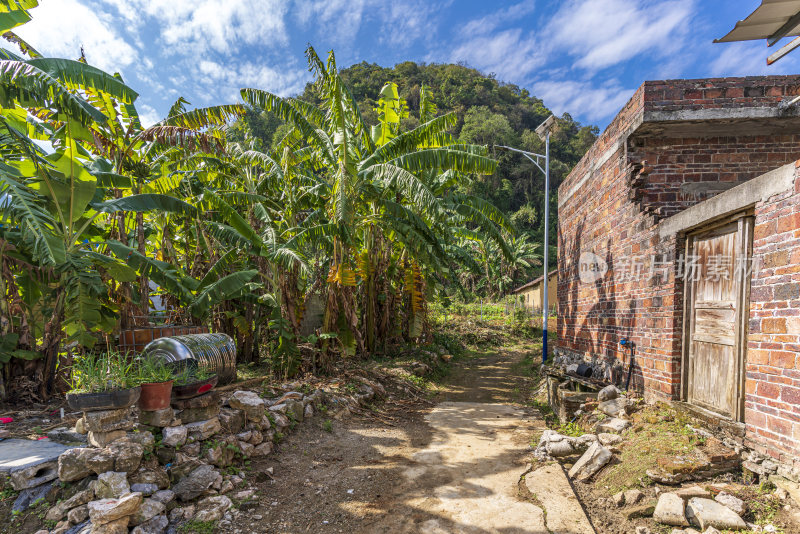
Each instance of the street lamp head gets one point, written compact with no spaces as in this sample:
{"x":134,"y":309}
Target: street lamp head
{"x":543,"y":129}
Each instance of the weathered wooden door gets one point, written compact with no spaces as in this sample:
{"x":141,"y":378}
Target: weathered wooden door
{"x":717,"y":307}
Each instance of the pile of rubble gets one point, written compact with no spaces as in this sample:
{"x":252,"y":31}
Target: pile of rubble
{"x":710,"y":509}
{"x":148,"y":472}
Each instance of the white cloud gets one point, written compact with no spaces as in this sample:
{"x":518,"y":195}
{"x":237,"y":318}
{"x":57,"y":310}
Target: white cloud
{"x":148,"y":116}
{"x":750,"y":59}
{"x":61,"y":28}
{"x":225,"y":81}
{"x":583,"y":98}
{"x":607,"y":32}
{"x":510,"y":54}
{"x":197,"y":26}
{"x":396,"y":24}
{"x":493,"y":20}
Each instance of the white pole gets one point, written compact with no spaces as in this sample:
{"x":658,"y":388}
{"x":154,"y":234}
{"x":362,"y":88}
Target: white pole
{"x":546,"y":302}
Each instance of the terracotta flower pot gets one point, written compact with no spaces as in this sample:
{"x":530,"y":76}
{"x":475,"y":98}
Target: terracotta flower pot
{"x":155,"y":396}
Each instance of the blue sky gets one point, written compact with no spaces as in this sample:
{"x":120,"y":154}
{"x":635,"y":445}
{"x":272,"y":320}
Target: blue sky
{"x":585,"y":57}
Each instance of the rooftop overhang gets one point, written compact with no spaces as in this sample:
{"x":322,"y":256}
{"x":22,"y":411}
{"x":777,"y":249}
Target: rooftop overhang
{"x":715,"y":122}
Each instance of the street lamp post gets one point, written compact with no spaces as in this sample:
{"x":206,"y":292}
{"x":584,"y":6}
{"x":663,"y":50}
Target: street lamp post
{"x":543,"y":131}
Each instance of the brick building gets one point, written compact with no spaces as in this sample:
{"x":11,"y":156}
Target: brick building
{"x":680,"y":231}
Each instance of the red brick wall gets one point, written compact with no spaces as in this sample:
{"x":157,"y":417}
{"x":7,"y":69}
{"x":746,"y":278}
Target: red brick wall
{"x":772,"y":381}
{"x":602,"y":217}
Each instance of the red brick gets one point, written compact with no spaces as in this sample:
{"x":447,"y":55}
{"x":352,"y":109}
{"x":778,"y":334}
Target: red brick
{"x":773,"y":325}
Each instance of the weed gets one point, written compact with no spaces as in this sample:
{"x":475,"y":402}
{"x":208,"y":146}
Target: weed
{"x":327,"y":425}
{"x":571,"y":429}
{"x":8,"y":493}
{"x":198,"y":527}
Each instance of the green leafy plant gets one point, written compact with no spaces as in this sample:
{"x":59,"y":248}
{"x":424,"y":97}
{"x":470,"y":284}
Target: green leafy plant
{"x":153,"y":371}
{"x":96,"y":373}
{"x":191,"y":375}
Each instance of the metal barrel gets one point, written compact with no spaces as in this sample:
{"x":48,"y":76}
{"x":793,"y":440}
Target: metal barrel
{"x":215,"y":353}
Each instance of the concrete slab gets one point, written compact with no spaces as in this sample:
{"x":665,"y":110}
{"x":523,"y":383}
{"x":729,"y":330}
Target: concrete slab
{"x":553,"y":491}
{"x":30,"y":463}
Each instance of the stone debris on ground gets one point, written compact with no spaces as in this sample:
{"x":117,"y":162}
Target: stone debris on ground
{"x":121,"y":478}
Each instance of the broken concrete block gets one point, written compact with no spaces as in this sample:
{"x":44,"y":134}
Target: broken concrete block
{"x":614,"y":407}
{"x":30,"y":463}
{"x":707,"y":513}
{"x":613,"y":426}
{"x":670,"y":510}
{"x":736,"y":504}
{"x":594,"y":459}
{"x":608,"y":393}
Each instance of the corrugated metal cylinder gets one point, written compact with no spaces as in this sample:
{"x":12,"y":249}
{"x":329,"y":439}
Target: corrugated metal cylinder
{"x":215,"y":353}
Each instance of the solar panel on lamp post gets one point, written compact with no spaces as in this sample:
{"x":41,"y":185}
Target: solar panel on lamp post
{"x":543,"y":131}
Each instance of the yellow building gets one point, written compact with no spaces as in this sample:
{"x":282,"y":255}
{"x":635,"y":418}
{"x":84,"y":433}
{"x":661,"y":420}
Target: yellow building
{"x":532,"y":293}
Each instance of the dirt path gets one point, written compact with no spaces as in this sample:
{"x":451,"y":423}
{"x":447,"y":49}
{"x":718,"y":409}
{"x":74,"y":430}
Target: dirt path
{"x":452,"y":468}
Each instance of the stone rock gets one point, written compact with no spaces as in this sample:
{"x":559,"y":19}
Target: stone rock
{"x":174,"y":436}
{"x":157,"y":418}
{"x":609,"y":439}
{"x":711,"y":530}
{"x":612,"y":426}
{"x":707,"y":513}
{"x":212,"y":508}
{"x":619,"y":498}
{"x":642,"y":510}
{"x":201,"y":430}
{"x":156,"y":525}
{"x":223,"y":453}
{"x":736,"y":504}
{"x":31,"y":496}
{"x":79,"y":514}
{"x":608,"y":393}
{"x":108,"y":420}
{"x":127,"y":455}
{"x":164,"y":496}
{"x":281,"y":421}
{"x":308,"y":411}
{"x":295,"y":410}
{"x":100,"y":461}
{"x":633,"y":496}
{"x":642,"y":530}
{"x":231,"y":420}
{"x":195,"y":483}
{"x":571,"y":368}
{"x":147,"y":511}
{"x":65,"y":434}
{"x":101,"y":439}
{"x":145,"y":489}
{"x":692,"y":491}
{"x":111,"y":485}
{"x":80,"y":426}
{"x":201,"y":401}
{"x":148,"y":477}
{"x":246,"y":448}
{"x":72,"y":464}
{"x":591,"y":462}
{"x":202,"y":413}
{"x":143,"y":438}
{"x":60,"y":509}
{"x":262,"y":450}
{"x":245,"y":436}
{"x":250,"y":403}
{"x":670,"y":510}
{"x":278,"y":408}
{"x":107,"y":510}
{"x":614,"y":407}
{"x":256,"y":438}
{"x":118,"y":526}
{"x":790,"y":487}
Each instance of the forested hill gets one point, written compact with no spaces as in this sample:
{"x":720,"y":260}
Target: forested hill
{"x":490,"y":112}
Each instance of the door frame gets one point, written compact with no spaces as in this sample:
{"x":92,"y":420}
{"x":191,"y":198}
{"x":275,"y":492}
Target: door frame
{"x":745,"y":220}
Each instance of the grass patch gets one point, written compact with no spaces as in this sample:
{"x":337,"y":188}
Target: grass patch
{"x":198,"y":527}
{"x":659,"y":433}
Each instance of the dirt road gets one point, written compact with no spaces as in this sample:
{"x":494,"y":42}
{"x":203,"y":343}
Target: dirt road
{"x":452,"y":468}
